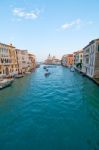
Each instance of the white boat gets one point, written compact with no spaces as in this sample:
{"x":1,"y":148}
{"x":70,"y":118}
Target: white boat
{"x":27,"y":72}
{"x":19,"y":76}
{"x":72,"y":69}
{"x":5,"y":83}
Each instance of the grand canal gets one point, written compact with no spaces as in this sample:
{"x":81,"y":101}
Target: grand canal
{"x":59,"y":112}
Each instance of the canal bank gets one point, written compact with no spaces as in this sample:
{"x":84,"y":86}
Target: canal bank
{"x":55,"y":113}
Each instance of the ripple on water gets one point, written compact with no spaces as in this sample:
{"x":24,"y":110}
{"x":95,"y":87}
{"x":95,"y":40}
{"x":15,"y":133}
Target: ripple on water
{"x":58,"y":112}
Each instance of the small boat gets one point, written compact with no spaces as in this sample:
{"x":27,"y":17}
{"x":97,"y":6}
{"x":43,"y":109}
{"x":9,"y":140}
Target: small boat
{"x":19,"y":76}
{"x":47,"y":74}
{"x":27,"y":72}
{"x":6,"y":83}
{"x":72,"y":69}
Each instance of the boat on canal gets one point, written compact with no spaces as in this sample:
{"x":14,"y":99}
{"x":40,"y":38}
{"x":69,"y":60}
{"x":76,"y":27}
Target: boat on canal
{"x":47,"y":74}
{"x":19,"y":76}
{"x":28,"y":72}
{"x":6,"y":83}
{"x":72,"y":69}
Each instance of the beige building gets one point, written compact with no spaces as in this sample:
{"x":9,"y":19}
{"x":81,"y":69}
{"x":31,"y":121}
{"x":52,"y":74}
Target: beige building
{"x":52,"y":60}
{"x":48,"y":60}
{"x":8,"y":61}
{"x":22,"y":60}
{"x":14,"y":61}
{"x":32,"y":62}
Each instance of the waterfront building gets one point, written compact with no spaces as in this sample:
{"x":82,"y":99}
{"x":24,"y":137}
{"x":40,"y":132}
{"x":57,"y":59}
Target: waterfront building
{"x":63,"y":61}
{"x":48,"y":60}
{"x":8,"y":61}
{"x":67,"y":60}
{"x":22,"y":60}
{"x":32,"y":62}
{"x":52,"y":60}
{"x":91,"y":59}
{"x":13,"y":58}
{"x":78,"y":58}
{"x":14,"y":61}
{"x":56,"y":61}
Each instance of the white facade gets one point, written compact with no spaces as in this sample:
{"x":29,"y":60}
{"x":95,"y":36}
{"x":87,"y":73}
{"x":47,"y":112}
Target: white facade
{"x":90,"y":60}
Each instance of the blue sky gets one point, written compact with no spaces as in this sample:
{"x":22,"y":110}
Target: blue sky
{"x":56,"y":26}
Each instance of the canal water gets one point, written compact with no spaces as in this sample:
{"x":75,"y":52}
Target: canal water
{"x":58,"y":112}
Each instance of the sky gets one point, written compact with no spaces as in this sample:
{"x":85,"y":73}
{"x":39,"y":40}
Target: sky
{"x":57,"y":27}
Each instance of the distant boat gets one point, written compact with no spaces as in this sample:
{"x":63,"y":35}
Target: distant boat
{"x":19,"y":76}
{"x":27,"y":72}
{"x":6,"y":83}
{"x":72,"y":69}
{"x":47,"y":74}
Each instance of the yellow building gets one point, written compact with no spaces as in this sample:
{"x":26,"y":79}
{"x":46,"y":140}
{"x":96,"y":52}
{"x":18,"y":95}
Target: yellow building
{"x":14,"y":61}
{"x":32,"y":62}
{"x":8,"y":61}
{"x":13,"y":57}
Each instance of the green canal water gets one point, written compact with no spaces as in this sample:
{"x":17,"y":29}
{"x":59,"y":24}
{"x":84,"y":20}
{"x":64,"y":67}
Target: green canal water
{"x":59,"y":112}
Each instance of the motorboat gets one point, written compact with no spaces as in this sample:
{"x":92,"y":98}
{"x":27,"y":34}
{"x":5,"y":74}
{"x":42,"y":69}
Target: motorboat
{"x":27,"y":72}
{"x":72,"y":69}
{"x":47,"y":74}
{"x":6,"y":83}
{"x":19,"y":76}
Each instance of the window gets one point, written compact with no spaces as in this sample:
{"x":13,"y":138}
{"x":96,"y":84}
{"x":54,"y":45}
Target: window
{"x":87,"y":60}
{"x":87,"y":50}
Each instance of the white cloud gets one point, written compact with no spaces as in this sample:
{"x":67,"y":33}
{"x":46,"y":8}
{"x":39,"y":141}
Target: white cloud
{"x":72,"y":24}
{"x":77,"y":24}
{"x":21,"y":13}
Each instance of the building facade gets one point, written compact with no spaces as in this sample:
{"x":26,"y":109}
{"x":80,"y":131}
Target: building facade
{"x":32,"y":62}
{"x":67,"y":60}
{"x":8,"y":60}
{"x":14,"y":61}
{"x":91,"y":59}
{"x":52,"y":60}
{"x":22,"y":60}
{"x":78,"y":58}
